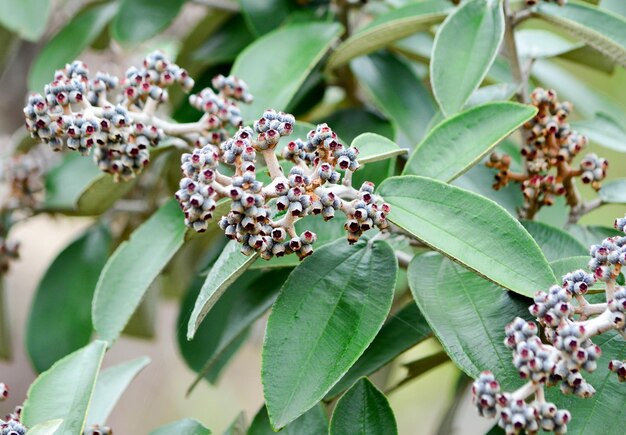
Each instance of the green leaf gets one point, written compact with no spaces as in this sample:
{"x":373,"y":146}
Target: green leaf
{"x":65,"y":181}
{"x":228,"y":267}
{"x":487,"y":94}
{"x":275,"y":84}
{"x":102,"y":191}
{"x":564,"y":266}
{"x":373,"y":147}
{"x":603,"y":130}
{"x":312,"y":422}
{"x":238,"y":426}
{"x":465,"y":60}
{"x":134,"y":265}
{"x":554,"y":242}
{"x":604,"y":31}
{"x":411,"y":109}
{"x":56,"y":329}
{"x":592,"y":234}
{"x":401,"y":332}
{"x":64,"y":391}
{"x":461,"y":141}
{"x":186,"y":426}
{"x":110,"y":386}
{"x":46,"y":428}
{"x":468,"y":315}
{"x":537,"y":43}
{"x":605,"y":411}
{"x":225,"y":44}
{"x":472,"y":230}
{"x":388,"y":28}
{"x":479,"y":179}
{"x":327,"y":313}
{"x":264,"y":16}
{"x":139,"y":20}
{"x":69,"y":43}
{"x":27,"y":18}
{"x":613,"y":192}
{"x":248,"y":298}
{"x":363,"y":410}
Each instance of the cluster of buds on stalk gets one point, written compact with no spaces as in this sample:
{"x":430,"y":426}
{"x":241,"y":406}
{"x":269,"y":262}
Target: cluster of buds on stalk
{"x":262,"y":214}
{"x":548,"y":153}
{"x":23,"y":174}
{"x":115,"y":120}
{"x":12,"y":424}
{"x":569,"y":322}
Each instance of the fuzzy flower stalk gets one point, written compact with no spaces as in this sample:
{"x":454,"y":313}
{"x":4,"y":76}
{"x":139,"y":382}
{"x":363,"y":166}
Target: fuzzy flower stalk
{"x":115,"y":122}
{"x":569,"y":323}
{"x":548,"y":154}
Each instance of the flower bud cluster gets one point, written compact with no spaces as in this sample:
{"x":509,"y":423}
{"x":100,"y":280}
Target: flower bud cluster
{"x":114,"y":120}
{"x":11,"y":425}
{"x":96,"y":429}
{"x":608,"y":258}
{"x":23,"y":174}
{"x":514,"y":414}
{"x":262,"y":215}
{"x":548,"y":155}
{"x":569,"y":322}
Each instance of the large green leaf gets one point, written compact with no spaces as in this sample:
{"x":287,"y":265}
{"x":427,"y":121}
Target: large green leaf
{"x":410,"y":110}
{"x":274,"y":70}
{"x":614,"y":192}
{"x":402,"y":331}
{"x":470,"y":229}
{"x":248,"y":298}
{"x":605,"y":411}
{"x":238,"y":426}
{"x":27,"y":18}
{"x":186,"y":426}
{"x":554,"y":242}
{"x":64,"y":391}
{"x":228,"y":267}
{"x":264,"y":16}
{"x":466,"y":45}
{"x":373,"y":147}
{"x":460,"y":142}
{"x":604,"y":31}
{"x":468,"y":315}
{"x":363,"y":410}
{"x":603,"y":130}
{"x":312,"y":422}
{"x":138,"y":20}
{"x":56,"y":329}
{"x":69,"y":43}
{"x":327,"y":313}
{"x":133,"y":267}
{"x":389,"y":27}
{"x":110,"y":386}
